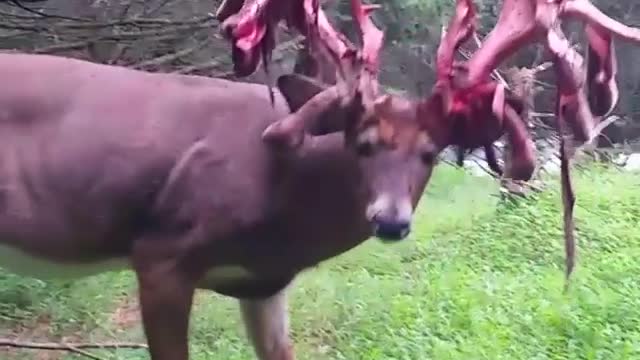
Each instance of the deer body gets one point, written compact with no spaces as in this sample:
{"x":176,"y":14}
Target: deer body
{"x":104,"y":168}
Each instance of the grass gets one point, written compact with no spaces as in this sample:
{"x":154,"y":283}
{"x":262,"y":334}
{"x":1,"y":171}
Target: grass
{"x":480,"y":279}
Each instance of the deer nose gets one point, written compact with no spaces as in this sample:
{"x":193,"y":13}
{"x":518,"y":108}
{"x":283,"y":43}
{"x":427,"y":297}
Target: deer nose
{"x":389,"y":228}
{"x":390,"y":218}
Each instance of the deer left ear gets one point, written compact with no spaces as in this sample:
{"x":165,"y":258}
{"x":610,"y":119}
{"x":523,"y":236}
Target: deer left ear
{"x":298,"y":89}
{"x":315,"y":109}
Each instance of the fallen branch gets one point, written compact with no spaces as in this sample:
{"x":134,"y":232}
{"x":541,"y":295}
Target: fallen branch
{"x":65,"y":346}
{"x":70,"y":347}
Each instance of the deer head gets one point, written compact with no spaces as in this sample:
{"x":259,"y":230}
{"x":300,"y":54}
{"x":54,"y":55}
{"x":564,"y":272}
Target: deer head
{"x":393,"y":149}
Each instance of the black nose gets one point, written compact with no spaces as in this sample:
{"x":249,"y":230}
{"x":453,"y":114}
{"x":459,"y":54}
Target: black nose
{"x":390,"y":229}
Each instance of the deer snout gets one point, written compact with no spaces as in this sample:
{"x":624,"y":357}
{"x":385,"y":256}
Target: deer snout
{"x":390,"y":218}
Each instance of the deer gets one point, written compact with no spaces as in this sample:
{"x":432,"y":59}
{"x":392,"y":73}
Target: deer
{"x":467,"y":108}
{"x":106,"y":168}
{"x":200,"y":183}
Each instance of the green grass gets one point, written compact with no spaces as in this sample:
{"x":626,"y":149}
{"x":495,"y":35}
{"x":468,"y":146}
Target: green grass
{"x":480,"y":279}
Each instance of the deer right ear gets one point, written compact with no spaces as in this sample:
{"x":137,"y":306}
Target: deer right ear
{"x":298,"y":89}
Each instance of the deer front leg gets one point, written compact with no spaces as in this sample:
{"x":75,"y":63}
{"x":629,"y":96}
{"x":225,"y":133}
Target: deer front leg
{"x":492,"y":159}
{"x":460,"y":152}
{"x":166,"y":295}
{"x":267,"y":324}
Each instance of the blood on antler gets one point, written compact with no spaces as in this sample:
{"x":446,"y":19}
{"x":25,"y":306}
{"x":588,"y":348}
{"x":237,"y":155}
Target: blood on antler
{"x":356,"y":71}
{"x":584,"y":96}
{"x":481,"y":112}
{"x":523,"y":22}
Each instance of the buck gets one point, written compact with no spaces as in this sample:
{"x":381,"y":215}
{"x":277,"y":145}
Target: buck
{"x":105,"y":168}
{"x":201,"y":183}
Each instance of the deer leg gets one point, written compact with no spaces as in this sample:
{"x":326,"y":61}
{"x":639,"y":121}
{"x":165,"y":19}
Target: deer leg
{"x":166,"y":295}
{"x":492,"y":160}
{"x":267,"y":325}
{"x":460,"y":156}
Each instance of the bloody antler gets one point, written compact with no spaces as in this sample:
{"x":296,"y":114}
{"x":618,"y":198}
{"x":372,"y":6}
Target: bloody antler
{"x":250,"y":25}
{"x":584,"y":96}
{"x":522,"y":22}
{"x":372,"y":37}
{"x":356,"y":71}
{"x":461,"y":27}
{"x":479,"y":113}
{"x":602,"y":89}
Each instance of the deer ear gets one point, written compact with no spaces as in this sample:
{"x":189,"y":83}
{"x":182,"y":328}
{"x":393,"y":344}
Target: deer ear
{"x":298,"y":89}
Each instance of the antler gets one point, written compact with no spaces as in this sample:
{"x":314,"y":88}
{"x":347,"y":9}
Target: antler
{"x":602,"y":89}
{"x":479,"y":113}
{"x":250,"y":26}
{"x":461,"y":27}
{"x":522,"y":22}
{"x":583,"y":97}
{"x":356,"y":70}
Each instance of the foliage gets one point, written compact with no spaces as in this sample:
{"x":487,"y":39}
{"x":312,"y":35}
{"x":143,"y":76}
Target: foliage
{"x":480,"y":279}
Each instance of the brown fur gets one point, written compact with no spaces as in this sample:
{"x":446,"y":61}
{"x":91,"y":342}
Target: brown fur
{"x":170,"y":172}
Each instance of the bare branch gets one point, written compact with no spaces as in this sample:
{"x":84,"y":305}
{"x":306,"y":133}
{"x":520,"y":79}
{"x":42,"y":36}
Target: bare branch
{"x":168,"y":58}
{"x":64,"y":346}
{"x":52,"y":49}
{"x":70,"y":347}
{"x":19,"y":4}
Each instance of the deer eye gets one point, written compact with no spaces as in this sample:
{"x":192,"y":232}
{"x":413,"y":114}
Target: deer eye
{"x":365,"y":149}
{"x":366,"y":141}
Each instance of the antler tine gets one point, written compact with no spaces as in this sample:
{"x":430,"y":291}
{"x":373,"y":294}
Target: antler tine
{"x":244,"y":23}
{"x":461,"y":26}
{"x":602,"y":88}
{"x":338,"y":49}
{"x":327,"y":41}
{"x":587,"y":12}
{"x":515,"y":28}
{"x":372,"y":37}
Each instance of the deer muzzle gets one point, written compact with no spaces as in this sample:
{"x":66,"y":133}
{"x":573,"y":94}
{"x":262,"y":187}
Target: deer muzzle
{"x":390,"y":217}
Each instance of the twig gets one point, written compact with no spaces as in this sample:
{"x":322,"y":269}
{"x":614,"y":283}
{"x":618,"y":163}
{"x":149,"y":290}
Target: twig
{"x":217,"y":61}
{"x":70,"y":347}
{"x":168,"y":58}
{"x":543,"y":115}
{"x":542,"y":67}
{"x":21,"y":6}
{"x":61,"y":47}
{"x":129,"y":35}
{"x":65,"y":346}
{"x":158,"y":7}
